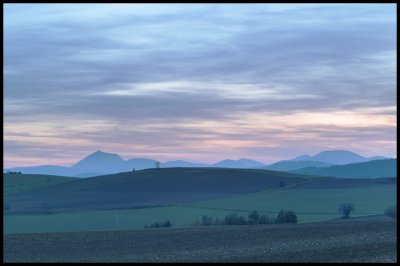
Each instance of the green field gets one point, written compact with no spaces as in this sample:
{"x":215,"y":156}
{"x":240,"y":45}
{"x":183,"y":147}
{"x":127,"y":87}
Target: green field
{"x":309,"y":205}
{"x":13,"y":183}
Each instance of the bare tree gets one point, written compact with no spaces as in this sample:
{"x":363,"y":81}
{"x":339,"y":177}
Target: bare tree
{"x":345,"y":209}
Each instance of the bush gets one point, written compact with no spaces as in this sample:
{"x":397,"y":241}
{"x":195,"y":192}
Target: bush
{"x":206,"y":220}
{"x":167,"y":223}
{"x":13,"y":173}
{"x":345,"y":209}
{"x":196,"y":222}
{"x":286,"y":217}
{"x":391,"y":211}
{"x":282,"y":184}
{"x":254,"y":217}
{"x":264,"y":219}
{"x":218,"y":221}
{"x":234,"y":219}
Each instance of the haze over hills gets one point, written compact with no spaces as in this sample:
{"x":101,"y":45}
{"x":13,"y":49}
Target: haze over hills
{"x":293,"y":165}
{"x":370,"y":169}
{"x":241,"y":163}
{"x":180,"y":163}
{"x":100,"y":163}
{"x":337,"y":157}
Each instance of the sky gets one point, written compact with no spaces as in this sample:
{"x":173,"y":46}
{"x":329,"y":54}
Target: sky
{"x":197,"y":82}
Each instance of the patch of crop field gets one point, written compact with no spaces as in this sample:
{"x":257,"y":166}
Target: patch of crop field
{"x":350,"y":241}
{"x":309,"y":204}
{"x":105,"y":219}
{"x":14,"y":183}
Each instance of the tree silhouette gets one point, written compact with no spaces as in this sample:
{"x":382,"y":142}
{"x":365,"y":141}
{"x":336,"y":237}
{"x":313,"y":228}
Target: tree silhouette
{"x":345,"y":209}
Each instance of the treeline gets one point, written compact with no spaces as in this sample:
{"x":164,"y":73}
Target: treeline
{"x":235,"y":219}
{"x":13,"y":173}
{"x":253,"y":218}
{"x":167,"y":223}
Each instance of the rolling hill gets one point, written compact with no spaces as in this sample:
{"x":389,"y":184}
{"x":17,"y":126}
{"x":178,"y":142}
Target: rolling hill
{"x":150,"y":187}
{"x":180,"y":163}
{"x":14,"y":183}
{"x":241,"y":163}
{"x":293,"y":165}
{"x":370,"y":169}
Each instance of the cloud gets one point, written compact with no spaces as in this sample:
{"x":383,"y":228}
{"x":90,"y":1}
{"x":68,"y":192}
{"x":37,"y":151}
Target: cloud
{"x":103,"y":68}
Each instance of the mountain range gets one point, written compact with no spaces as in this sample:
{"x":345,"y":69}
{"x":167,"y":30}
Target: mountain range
{"x":100,"y":163}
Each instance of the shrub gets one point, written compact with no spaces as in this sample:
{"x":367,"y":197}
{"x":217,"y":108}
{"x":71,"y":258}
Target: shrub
{"x":196,"y":222}
{"x":167,"y":223}
{"x":234,"y":219}
{"x":206,"y":220}
{"x":345,"y":209}
{"x":254,"y":217}
{"x":264,"y":219}
{"x":282,"y":184}
{"x":286,"y":217}
{"x":391,"y":211}
{"x":218,"y":221}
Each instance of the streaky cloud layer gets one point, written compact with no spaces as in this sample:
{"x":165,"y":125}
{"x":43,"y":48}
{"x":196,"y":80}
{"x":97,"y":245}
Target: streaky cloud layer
{"x":201,"y":82}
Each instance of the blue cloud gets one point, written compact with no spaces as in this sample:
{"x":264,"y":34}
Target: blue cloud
{"x":63,"y":60}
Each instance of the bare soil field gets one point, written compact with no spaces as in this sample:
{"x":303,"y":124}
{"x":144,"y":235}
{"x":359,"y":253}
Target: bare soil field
{"x":370,"y":240}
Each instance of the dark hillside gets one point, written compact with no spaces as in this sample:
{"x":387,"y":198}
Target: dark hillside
{"x":149,"y":187}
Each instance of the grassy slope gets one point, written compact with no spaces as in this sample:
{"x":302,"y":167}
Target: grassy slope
{"x":14,"y":183}
{"x":309,"y":204}
{"x":150,"y":187}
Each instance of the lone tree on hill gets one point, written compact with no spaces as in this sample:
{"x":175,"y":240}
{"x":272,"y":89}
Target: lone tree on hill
{"x":345,"y":209}
{"x":157,"y":164}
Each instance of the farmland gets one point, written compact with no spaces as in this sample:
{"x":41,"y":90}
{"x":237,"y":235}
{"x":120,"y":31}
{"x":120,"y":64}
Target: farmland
{"x":91,"y":222}
{"x":309,"y":204}
{"x":351,"y":241}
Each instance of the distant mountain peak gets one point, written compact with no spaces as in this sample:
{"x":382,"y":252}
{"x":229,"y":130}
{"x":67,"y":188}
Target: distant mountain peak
{"x":99,"y":159}
{"x":99,"y":152}
{"x":338,"y":157}
{"x":337,"y":151}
